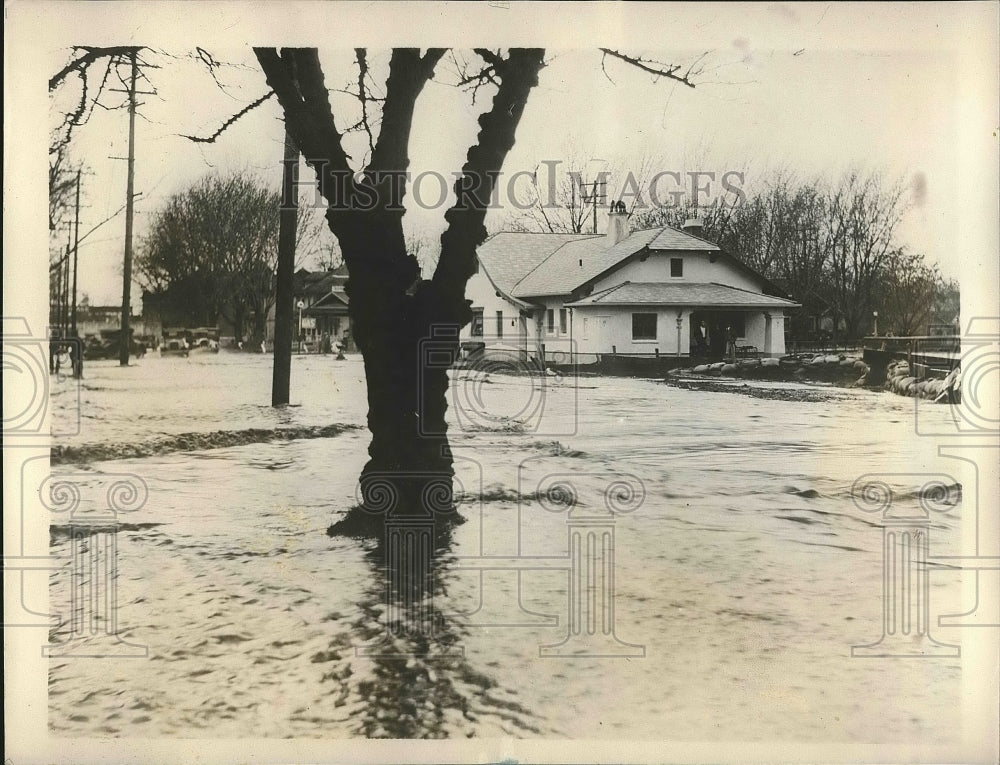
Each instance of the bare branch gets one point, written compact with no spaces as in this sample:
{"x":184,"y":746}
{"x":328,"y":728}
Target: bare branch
{"x":474,"y":189}
{"x":232,"y":120}
{"x":362,"y":59}
{"x":669,"y":71}
{"x":89,"y":57}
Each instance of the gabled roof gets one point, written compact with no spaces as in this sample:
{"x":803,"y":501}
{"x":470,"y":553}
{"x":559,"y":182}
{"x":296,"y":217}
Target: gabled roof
{"x":686,"y":294}
{"x":334,"y":302}
{"x":562,"y":271}
{"x":526,"y":265}
{"x":674,"y":239}
{"x":509,"y":256}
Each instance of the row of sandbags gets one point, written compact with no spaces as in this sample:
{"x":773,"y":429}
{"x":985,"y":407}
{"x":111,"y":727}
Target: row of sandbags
{"x":793,"y":364}
{"x":899,"y":379}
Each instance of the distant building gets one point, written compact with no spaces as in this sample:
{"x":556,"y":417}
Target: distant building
{"x":324,"y":309}
{"x":91,"y":319}
{"x":642,"y":293}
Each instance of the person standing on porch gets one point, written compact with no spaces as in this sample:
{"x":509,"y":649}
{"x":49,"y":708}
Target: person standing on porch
{"x":701,"y":339}
{"x":730,"y":345}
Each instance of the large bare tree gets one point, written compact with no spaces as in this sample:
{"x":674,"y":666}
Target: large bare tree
{"x":398,"y":317}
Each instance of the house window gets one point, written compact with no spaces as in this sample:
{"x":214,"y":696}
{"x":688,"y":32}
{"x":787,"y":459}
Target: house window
{"x":584,"y":327}
{"x":677,"y":267}
{"x":477,"y":322}
{"x":644,"y":326}
{"x":499,"y":323}
{"x":562,"y":321}
{"x":550,"y":321}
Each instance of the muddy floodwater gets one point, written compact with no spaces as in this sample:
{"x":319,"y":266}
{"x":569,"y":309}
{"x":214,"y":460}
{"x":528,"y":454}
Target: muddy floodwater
{"x":742,"y":573}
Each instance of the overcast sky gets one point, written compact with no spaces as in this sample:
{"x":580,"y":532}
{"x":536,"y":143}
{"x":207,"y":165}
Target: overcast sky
{"x":815,"y":89}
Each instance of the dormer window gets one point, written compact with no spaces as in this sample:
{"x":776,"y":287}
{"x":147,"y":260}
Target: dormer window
{"x":676,"y":268}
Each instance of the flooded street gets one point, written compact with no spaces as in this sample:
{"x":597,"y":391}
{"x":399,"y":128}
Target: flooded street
{"x":742,"y":572}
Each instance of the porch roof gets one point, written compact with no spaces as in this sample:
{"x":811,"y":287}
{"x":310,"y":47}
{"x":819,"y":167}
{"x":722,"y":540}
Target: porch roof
{"x":331,"y":304}
{"x":709,"y":295}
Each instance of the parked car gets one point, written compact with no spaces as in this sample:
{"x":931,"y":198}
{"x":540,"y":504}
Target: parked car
{"x":107,"y":345}
{"x":174,"y":346}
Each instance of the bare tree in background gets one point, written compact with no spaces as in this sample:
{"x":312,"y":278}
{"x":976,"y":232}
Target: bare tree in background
{"x":211,"y":251}
{"x":564,"y":194}
{"x":910,"y":295}
{"x":861,"y":216}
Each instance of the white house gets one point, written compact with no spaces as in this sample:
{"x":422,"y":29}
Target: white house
{"x":649,"y":293}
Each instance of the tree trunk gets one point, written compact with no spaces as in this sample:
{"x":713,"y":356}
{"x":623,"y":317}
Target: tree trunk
{"x":409,"y":471}
{"x":406,"y":328}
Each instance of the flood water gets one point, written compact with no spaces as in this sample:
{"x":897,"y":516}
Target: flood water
{"x":743,"y":571}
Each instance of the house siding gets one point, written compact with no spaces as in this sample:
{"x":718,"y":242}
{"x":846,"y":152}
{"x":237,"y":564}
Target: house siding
{"x":697,"y":268}
{"x":518,"y":330}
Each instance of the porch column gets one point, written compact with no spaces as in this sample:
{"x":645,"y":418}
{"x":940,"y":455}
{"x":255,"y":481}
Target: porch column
{"x":768,"y":350}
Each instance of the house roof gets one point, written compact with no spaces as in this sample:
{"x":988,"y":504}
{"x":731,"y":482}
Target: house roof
{"x":529,"y":265}
{"x":509,"y":256}
{"x":576,"y":263}
{"x":686,"y":294}
{"x":306,"y":282}
{"x":332,"y":303}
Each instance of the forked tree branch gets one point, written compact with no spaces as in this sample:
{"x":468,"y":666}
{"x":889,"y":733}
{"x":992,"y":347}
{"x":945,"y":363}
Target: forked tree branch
{"x":297,"y":79}
{"x":408,"y":73}
{"x":89,"y":57}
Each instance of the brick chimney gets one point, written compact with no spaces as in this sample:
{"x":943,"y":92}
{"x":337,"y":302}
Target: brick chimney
{"x":695,"y":227}
{"x":617,"y":224}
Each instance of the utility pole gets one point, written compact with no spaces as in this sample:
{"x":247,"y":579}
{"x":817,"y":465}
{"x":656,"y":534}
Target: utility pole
{"x":76,"y":251}
{"x":593,"y":198}
{"x":64,"y":267}
{"x":288,"y":218}
{"x":125,"y":337}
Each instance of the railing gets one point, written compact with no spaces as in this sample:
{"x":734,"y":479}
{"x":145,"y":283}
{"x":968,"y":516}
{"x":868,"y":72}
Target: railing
{"x":822,"y":346}
{"x":915,"y":344}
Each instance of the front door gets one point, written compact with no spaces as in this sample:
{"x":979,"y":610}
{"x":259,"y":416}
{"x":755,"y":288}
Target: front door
{"x":605,"y":343}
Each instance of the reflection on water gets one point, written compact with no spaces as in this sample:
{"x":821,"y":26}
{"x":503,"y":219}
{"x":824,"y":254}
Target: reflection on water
{"x":746,"y":573}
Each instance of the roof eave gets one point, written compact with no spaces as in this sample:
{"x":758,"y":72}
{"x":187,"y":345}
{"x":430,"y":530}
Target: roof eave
{"x":501,"y":293}
{"x":683,"y":303}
